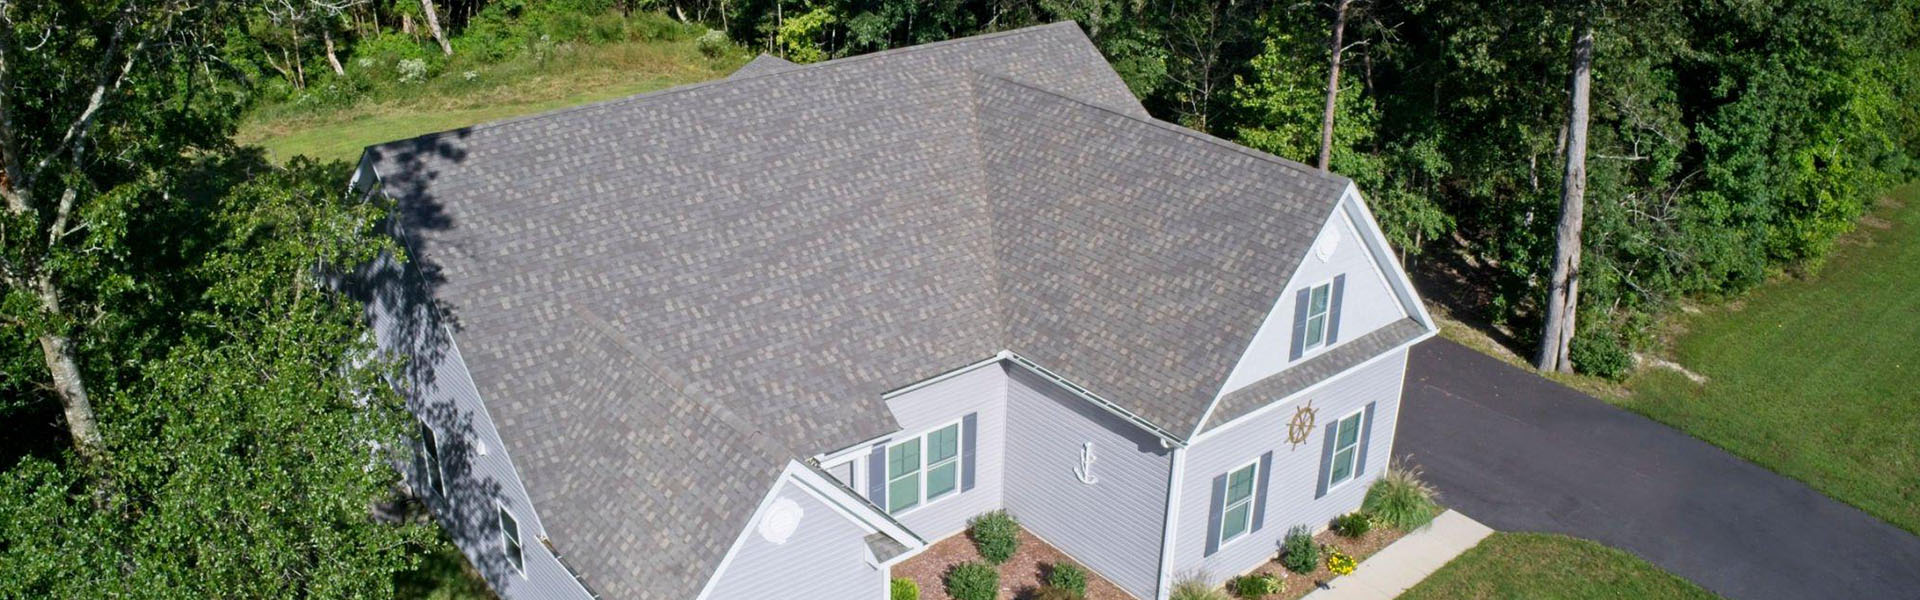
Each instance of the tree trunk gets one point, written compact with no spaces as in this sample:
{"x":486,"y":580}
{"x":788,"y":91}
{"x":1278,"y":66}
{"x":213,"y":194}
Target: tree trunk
{"x":433,"y":26}
{"x":332,"y":59}
{"x":406,"y":24}
{"x":1333,"y":85}
{"x":1563,"y":296}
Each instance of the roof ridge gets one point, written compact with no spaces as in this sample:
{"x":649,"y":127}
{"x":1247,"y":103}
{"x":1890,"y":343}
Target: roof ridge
{"x":1329,"y":176}
{"x":798,"y":67}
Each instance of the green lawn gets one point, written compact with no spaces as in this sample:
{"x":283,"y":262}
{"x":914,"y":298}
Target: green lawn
{"x":1533,"y":566}
{"x":575,"y":75}
{"x":1816,"y":378}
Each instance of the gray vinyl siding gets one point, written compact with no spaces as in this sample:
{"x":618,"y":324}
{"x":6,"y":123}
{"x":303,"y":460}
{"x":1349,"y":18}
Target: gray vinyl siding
{"x":1296,"y":470}
{"x":478,"y":471}
{"x":825,"y":559}
{"x":1113,"y":526}
{"x":983,"y":391}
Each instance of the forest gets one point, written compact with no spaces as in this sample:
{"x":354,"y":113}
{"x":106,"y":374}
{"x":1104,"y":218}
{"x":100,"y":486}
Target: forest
{"x":179,"y":370}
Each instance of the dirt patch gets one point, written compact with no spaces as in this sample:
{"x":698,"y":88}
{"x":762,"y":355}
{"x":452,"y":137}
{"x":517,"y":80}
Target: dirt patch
{"x":1019,"y":576}
{"x":1296,"y":585}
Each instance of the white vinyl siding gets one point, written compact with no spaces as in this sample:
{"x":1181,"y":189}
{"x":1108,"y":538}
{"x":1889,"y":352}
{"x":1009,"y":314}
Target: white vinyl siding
{"x":1346,"y":448}
{"x":1237,"y":510}
{"x":923,"y":469}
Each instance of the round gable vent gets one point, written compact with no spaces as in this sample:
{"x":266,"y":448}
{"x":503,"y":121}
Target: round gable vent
{"x":782,"y":518}
{"x":1328,"y":245}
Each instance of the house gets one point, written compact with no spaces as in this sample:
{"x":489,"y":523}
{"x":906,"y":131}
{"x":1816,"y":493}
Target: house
{"x":773,"y":334}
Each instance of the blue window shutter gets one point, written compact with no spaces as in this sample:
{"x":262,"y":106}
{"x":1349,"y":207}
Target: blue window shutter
{"x":1333,"y":311}
{"x":877,"y":476}
{"x":1260,"y":491}
{"x":1366,"y":436}
{"x":1326,"y":458}
{"x":969,"y":428}
{"x":1299,"y":323}
{"x":1213,"y":513}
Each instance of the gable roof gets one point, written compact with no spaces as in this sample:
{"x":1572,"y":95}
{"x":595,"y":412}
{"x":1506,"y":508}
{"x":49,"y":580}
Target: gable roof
{"x":744,"y":267}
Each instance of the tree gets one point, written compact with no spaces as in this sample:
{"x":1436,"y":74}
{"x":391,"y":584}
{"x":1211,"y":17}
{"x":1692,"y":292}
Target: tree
{"x":1563,"y":292}
{"x":1333,"y":83}
{"x":433,"y":25}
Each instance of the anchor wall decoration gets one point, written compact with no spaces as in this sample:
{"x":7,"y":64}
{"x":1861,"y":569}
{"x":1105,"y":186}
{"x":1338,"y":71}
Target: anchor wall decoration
{"x":1085,"y":470}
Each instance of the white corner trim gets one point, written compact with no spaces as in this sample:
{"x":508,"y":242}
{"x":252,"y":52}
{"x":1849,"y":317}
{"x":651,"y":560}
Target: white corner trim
{"x":1170,"y":522}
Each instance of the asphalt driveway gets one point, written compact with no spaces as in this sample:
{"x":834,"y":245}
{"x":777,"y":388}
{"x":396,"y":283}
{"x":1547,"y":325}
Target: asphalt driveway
{"x":1521,"y":453}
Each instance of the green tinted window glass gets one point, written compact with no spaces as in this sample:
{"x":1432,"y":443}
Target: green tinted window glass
{"x":941,"y":479}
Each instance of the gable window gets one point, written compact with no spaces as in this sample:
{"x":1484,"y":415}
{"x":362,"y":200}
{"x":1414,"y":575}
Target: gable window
{"x":923,"y":469}
{"x":1346,"y":449}
{"x":430,"y":444}
{"x":510,"y":541}
{"x":1319,"y":305}
{"x":1236,"y":512}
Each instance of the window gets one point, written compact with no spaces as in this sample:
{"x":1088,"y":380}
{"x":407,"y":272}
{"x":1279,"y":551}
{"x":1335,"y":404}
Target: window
{"x":435,"y":475}
{"x":923,"y":469}
{"x":1346,"y":449}
{"x":1319,"y":302}
{"x":510,"y":540}
{"x":1236,"y":512}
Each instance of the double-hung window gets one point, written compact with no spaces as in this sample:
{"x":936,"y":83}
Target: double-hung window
{"x":1319,"y":305}
{"x":1346,"y":449}
{"x":510,"y":541}
{"x":1236,"y":512}
{"x":430,"y":444}
{"x":923,"y":469}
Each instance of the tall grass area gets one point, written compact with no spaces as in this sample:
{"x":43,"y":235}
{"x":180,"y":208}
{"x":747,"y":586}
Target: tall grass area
{"x":1816,"y":378}
{"x":399,"y":86}
{"x":1550,"y":567}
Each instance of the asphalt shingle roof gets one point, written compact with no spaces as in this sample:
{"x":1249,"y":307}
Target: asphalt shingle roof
{"x":682,"y":290}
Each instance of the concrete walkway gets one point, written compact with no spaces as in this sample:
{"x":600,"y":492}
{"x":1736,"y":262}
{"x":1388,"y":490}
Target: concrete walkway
{"x":1521,"y":453}
{"x":1407,"y":561}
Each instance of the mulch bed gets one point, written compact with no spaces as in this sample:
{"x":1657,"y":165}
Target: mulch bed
{"x":1019,"y":576}
{"x":1295,"y":585}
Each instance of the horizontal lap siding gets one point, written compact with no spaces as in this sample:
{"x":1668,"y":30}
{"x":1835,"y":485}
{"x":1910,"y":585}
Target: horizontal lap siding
{"x":1296,"y":469}
{"x":982,"y":390}
{"x":1115,"y":525}
{"x":440,"y":391}
{"x":824,"y":559}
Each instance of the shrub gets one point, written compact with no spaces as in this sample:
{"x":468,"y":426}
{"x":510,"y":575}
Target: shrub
{"x":905,"y":589}
{"x":1068,"y":576}
{"x":1050,"y":592}
{"x":995,"y":534}
{"x":412,"y":70}
{"x":712,"y":44}
{"x":1194,"y":587}
{"x":973,"y":581}
{"x":1400,"y":500}
{"x":1352,"y":525}
{"x":1258,"y":585}
{"x":1340,"y":563}
{"x":1298,"y":552}
{"x":1599,"y":352}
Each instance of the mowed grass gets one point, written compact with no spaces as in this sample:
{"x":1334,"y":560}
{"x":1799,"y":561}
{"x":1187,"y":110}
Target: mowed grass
{"x":1534,"y":566}
{"x":1815,"y":378}
{"x":572,"y":75}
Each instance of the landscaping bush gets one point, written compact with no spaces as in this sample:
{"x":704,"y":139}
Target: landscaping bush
{"x":973,"y":581}
{"x":905,"y":589}
{"x":1194,"y":587}
{"x":1298,"y":552}
{"x":995,"y":534}
{"x":1255,"y":586}
{"x":1599,"y":352}
{"x":713,"y":43}
{"x":1049,"y":592}
{"x":1340,"y":563}
{"x":1352,"y":525}
{"x":1400,"y":500}
{"x":1068,"y":576}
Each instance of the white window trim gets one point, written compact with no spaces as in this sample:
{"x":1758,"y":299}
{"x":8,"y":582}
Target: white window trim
{"x":1310,"y":349}
{"x":438,"y":484}
{"x":1358,"y":441}
{"x":960,"y":451}
{"x":1252,"y":498}
{"x":521,"y":568}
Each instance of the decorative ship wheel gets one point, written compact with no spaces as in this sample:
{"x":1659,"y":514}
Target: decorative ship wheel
{"x":1301,"y":425}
